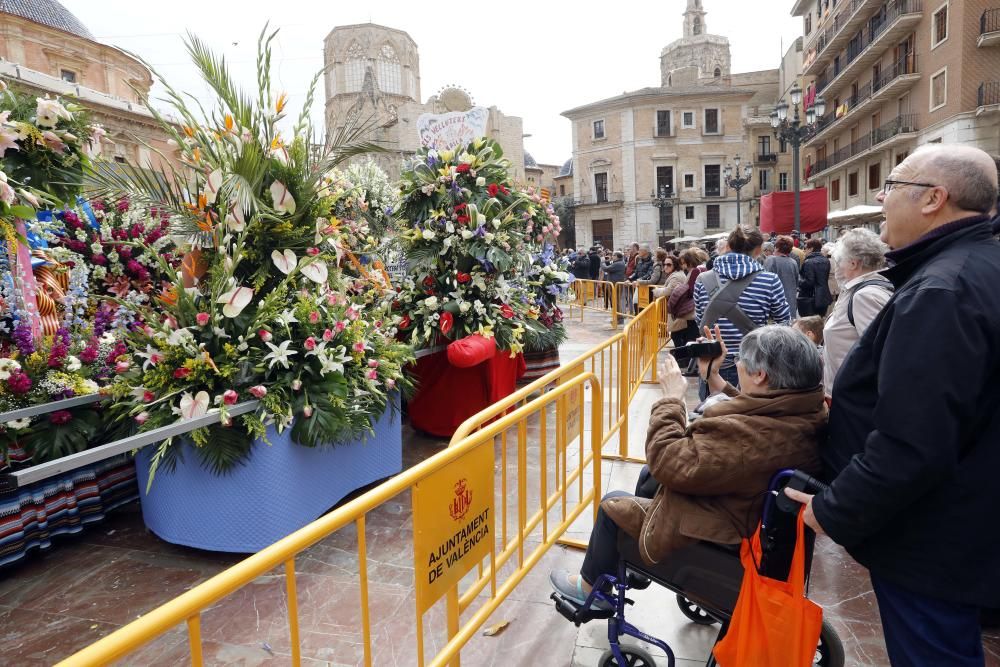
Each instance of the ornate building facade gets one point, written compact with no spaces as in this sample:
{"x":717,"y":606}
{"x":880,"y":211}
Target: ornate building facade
{"x":373,"y":77}
{"x":676,"y":139}
{"x":46,"y":50}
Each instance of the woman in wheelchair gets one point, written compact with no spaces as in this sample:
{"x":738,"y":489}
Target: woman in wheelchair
{"x":713,"y":471}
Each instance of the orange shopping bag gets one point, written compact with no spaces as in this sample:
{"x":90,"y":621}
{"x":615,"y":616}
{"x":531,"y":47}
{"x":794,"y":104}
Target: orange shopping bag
{"x":774,"y":624}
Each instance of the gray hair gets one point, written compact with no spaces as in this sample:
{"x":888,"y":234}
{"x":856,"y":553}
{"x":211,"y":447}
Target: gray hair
{"x":790,"y":360}
{"x":970,"y":187}
{"x":862,"y":245}
{"x":720,"y":244}
{"x":767,"y":247}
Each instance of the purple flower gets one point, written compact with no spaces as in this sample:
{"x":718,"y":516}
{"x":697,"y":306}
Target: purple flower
{"x":480,"y":231}
{"x":22,"y":339}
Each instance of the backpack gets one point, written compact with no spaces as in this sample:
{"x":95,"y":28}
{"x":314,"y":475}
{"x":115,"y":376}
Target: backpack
{"x":881,"y":282}
{"x":724,"y":302}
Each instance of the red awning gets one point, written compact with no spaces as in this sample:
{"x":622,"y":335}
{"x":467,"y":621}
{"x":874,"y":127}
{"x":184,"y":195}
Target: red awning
{"x":777,"y":211}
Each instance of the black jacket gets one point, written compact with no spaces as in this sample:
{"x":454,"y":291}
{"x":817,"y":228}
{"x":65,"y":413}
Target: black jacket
{"x":614,"y":272}
{"x":643,"y":269}
{"x":581,"y":267}
{"x":814,"y":281}
{"x":595,"y":265}
{"x":914,"y":437}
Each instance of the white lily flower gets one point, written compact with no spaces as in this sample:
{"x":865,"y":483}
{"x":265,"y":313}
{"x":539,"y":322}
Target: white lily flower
{"x":286,"y":318}
{"x":220,"y":332}
{"x":279,"y":354}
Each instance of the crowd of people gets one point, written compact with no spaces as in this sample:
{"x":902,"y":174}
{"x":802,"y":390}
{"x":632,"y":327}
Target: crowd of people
{"x":884,"y":385}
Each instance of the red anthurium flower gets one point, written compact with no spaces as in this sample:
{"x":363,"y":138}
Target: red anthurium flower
{"x":507,"y":311}
{"x":429,"y":281}
{"x":463,"y":168}
{"x":462,"y":278}
{"x":493,"y":189}
{"x":447,"y":321}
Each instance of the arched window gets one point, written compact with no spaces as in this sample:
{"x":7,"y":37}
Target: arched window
{"x":718,"y":72}
{"x":390,"y":79}
{"x":354,"y":68}
{"x":697,"y":25}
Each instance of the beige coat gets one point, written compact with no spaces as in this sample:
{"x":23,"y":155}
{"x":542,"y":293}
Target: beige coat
{"x":675,"y":280}
{"x":714,"y":472}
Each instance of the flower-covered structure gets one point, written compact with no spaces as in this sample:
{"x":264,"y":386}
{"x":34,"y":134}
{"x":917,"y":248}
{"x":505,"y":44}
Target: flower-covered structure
{"x":469,"y":240}
{"x":259,"y":309}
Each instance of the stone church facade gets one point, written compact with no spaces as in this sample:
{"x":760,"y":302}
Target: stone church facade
{"x":373,"y":79}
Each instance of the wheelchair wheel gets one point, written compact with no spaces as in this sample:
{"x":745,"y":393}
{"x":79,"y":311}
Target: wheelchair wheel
{"x":634,"y":657}
{"x":693,"y":611}
{"x":830,"y":651}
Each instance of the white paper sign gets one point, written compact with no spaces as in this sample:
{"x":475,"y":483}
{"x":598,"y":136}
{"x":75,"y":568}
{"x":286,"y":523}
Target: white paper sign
{"x":449,"y":131}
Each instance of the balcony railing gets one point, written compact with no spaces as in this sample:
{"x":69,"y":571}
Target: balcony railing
{"x":603,"y":197}
{"x":713,"y":192}
{"x":989,"y":21}
{"x":904,"y":66}
{"x":766,"y":158}
{"x":988,"y":94}
{"x":839,"y":21}
{"x":899,"y":125}
{"x":875,"y":28}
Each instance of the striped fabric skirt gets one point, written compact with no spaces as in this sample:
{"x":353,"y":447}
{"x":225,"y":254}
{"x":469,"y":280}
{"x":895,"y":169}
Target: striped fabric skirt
{"x":539,"y":363}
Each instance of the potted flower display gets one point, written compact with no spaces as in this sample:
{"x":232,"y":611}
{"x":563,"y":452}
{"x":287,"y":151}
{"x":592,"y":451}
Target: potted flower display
{"x":259,"y":310}
{"x":469,"y":237}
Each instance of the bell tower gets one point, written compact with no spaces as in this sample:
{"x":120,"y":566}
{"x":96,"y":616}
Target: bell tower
{"x":694,"y":19}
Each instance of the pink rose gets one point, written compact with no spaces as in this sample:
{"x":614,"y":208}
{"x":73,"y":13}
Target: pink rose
{"x":230,"y":397}
{"x":122,"y":366}
{"x":312,"y":252}
{"x":390,"y":384}
{"x":373,"y":363}
{"x":328,"y":335}
{"x":359,"y":347}
{"x":202,"y":319}
{"x":265,"y":335}
{"x":258,"y":391}
{"x":170,"y":322}
{"x":340,"y":326}
{"x":310,"y":343}
{"x":314,"y":317}
{"x":142,"y":418}
{"x":148,"y":396}
{"x":372,"y":374}
{"x":352,"y":314}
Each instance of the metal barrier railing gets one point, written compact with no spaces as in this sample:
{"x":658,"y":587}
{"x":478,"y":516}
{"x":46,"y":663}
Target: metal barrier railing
{"x":565,"y":435}
{"x":620,"y":300}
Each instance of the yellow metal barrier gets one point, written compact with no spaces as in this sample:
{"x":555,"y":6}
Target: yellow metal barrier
{"x":560,"y":431}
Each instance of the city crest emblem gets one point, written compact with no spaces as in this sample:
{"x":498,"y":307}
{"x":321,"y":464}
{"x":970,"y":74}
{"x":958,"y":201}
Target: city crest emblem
{"x":462,"y":501}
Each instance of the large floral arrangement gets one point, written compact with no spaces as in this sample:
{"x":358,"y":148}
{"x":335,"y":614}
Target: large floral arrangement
{"x":67,"y":364}
{"x":548,"y":278}
{"x":468,"y":246}
{"x":259,"y":309}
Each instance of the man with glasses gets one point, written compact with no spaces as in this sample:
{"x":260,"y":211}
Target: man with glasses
{"x":913,"y":453}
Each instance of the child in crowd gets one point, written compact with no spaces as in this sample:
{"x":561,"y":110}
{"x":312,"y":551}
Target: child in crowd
{"x":812,"y":327}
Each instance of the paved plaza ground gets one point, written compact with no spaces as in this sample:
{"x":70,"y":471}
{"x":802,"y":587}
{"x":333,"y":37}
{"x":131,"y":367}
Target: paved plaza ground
{"x":93,"y":583}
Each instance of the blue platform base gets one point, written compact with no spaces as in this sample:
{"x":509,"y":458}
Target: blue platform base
{"x":281,"y":488}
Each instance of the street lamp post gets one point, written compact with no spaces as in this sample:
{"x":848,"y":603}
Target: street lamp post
{"x":666,"y":198}
{"x":794,"y":132}
{"x":738,"y":181}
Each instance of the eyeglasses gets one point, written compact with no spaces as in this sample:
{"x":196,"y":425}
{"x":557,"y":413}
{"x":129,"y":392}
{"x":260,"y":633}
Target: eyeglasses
{"x":890,"y":183}
{"x":668,"y":264}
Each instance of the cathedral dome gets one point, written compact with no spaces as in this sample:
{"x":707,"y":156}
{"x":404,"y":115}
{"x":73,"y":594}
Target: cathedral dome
{"x":567,"y":168}
{"x":47,"y":12}
{"x":529,"y":161}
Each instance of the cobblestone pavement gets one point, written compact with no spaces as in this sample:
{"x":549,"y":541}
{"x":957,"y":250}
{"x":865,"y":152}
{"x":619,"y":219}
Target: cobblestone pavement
{"x":93,"y":583}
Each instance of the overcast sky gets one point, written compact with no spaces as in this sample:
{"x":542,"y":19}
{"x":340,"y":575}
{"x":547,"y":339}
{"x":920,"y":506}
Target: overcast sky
{"x":530,"y":59}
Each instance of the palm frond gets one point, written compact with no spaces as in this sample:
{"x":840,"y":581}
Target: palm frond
{"x":215,"y":71}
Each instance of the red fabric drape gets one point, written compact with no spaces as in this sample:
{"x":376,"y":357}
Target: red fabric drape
{"x":777,"y":211}
{"x":447,"y":395}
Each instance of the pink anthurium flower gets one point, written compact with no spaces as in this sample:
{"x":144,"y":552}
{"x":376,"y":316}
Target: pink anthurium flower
{"x":212,"y":185}
{"x":286,"y":261}
{"x":283,"y":201}
{"x":235,"y":301}
{"x":195,"y":406}
{"x":316,"y":271}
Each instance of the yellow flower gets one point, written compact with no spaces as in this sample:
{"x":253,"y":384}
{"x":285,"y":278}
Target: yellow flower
{"x":486,"y":331}
{"x":447,"y":156}
{"x":280,"y":104}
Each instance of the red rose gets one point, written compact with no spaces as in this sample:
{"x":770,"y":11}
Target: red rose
{"x":60,"y":417}
{"x":507,"y":311}
{"x":462,"y":278}
{"x":405,"y":322}
{"x":493,"y":189}
{"x":429,"y":281}
{"x":460,"y":207}
{"x":181,"y":373}
{"x":463,"y":168}
{"x":504,"y":190}
{"x":447,"y":321}
{"x":462,"y":219}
